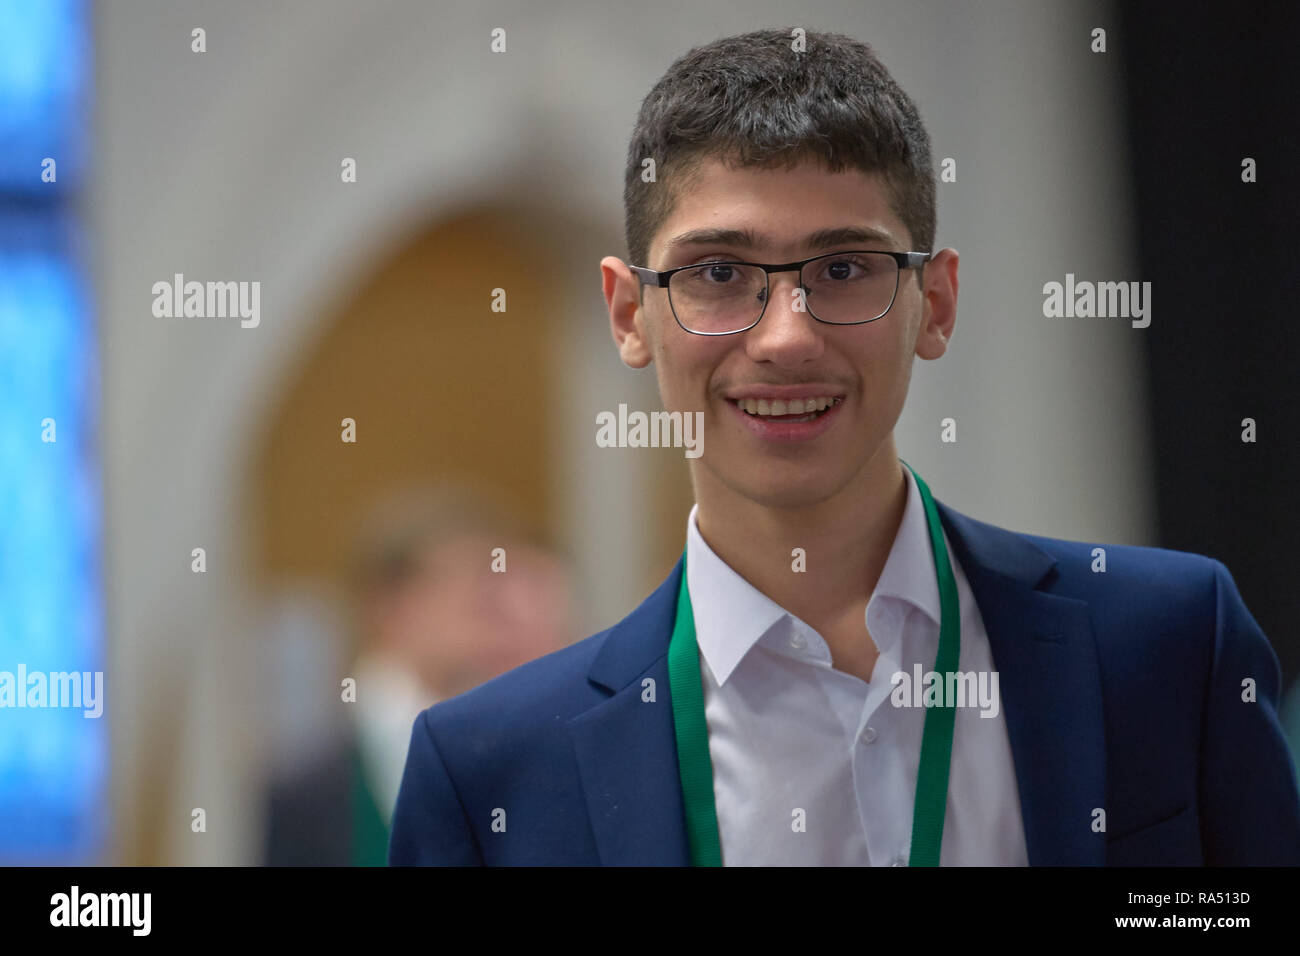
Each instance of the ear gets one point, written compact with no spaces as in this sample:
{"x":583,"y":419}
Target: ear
{"x":626,"y":319}
{"x":939,"y":313}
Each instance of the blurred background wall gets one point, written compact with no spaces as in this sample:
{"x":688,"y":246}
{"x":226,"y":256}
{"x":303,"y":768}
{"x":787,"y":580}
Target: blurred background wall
{"x":479,"y":170}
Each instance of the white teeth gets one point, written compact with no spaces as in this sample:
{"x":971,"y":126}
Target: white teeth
{"x":778,"y":406}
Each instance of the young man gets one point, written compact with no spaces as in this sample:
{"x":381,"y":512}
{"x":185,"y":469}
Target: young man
{"x":843,"y":671}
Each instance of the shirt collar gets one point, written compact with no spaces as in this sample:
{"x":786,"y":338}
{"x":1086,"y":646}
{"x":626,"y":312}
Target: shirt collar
{"x":731,"y":615}
{"x":909,"y":573}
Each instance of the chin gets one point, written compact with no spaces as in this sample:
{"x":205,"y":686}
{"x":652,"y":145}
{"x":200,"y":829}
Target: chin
{"x":786,"y":490}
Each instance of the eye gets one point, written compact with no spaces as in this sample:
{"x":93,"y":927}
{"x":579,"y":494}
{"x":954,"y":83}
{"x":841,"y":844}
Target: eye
{"x":845,"y":268}
{"x":717,"y":272}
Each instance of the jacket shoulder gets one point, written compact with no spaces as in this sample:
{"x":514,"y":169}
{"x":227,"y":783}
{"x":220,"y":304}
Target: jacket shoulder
{"x":553,"y":687}
{"x":1090,"y":568}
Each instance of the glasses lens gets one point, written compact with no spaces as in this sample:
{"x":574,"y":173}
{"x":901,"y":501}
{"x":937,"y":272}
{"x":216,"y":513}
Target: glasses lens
{"x":851,"y":286}
{"x":716,"y":297}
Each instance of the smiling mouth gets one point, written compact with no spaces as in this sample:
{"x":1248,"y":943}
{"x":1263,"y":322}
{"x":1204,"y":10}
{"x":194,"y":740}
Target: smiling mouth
{"x":794,"y":410}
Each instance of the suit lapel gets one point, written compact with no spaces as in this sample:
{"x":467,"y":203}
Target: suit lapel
{"x":1050,"y":682}
{"x":625,"y":746}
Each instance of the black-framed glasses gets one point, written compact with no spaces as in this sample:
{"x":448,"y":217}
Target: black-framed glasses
{"x":723,"y":297}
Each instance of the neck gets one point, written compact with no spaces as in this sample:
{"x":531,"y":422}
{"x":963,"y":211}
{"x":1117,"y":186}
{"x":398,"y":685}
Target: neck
{"x":846,"y":538}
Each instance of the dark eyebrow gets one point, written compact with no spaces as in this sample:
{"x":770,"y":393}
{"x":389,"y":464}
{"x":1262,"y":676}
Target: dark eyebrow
{"x":746,"y":239}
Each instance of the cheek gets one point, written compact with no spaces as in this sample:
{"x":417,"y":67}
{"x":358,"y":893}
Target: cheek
{"x":685,"y":374}
{"x":889,"y":357}
{"x":874,"y":361}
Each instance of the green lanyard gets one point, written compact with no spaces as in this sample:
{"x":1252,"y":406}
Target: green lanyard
{"x":692,"y":730}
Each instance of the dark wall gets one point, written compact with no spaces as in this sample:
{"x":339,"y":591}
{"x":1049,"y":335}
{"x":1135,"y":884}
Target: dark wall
{"x":1207,"y":87}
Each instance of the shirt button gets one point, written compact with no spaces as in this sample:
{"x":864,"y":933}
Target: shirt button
{"x":797,"y":639}
{"x":869,"y":735}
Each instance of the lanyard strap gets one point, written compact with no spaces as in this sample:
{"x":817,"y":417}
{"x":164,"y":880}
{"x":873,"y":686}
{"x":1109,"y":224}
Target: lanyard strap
{"x":692,"y":731}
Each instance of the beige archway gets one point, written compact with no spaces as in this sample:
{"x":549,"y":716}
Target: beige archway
{"x":440,"y":386}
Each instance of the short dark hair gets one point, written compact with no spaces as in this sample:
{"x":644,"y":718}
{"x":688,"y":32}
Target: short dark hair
{"x":750,"y":100}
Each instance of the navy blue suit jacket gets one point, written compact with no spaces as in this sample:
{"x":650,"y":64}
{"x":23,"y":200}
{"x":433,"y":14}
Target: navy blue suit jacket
{"x":1121,"y":690}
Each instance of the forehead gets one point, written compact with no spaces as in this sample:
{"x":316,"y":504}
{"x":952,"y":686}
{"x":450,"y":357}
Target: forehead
{"x":778,"y":209}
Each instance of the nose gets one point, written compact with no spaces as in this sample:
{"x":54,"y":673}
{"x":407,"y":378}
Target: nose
{"x":787,"y":335}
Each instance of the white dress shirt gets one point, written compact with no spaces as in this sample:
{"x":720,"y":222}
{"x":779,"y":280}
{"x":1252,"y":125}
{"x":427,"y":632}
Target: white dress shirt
{"x":389,"y":698}
{"x":815,"y":767}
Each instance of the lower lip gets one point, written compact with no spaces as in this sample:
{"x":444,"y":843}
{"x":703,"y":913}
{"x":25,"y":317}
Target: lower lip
{"x":770,"y":430}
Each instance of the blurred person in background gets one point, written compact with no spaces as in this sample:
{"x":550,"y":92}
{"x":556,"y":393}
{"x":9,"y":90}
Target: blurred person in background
{"x":439,"y":611}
